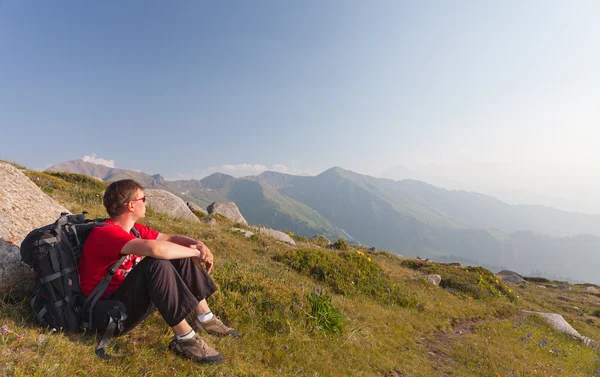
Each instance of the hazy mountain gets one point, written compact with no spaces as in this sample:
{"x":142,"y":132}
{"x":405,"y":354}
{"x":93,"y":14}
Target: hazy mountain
{"x":108,"y":174}
{"x":409,"y":217}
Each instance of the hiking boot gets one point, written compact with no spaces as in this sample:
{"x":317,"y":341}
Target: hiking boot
{"x":214,"y":326}
{"x":196,"y":349}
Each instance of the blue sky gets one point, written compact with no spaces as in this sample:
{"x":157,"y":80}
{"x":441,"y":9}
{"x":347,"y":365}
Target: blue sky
{"x":467,"y":94}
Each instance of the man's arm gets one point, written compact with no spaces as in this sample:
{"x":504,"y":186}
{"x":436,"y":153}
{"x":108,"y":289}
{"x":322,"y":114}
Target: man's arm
{"x":159,"y":249}
{"x":205,"y":256}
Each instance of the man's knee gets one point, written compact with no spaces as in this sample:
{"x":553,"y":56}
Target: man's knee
{"x":156,"y":265}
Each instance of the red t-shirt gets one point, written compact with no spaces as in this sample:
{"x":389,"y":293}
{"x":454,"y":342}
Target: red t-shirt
{"x":102,"y":249}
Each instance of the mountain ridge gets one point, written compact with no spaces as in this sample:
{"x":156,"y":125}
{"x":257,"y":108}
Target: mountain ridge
{"x":407,"y":216}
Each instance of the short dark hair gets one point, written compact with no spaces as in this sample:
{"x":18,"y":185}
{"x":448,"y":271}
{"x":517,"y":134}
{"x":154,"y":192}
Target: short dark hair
{"x":118,"y":194}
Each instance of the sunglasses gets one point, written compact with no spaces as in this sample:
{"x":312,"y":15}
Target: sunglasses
{"x":143,"y":199}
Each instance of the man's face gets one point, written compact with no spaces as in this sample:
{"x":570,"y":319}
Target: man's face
{"x":139,"y":205}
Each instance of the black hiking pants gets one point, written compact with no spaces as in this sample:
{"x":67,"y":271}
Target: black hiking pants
{"x":174,"y":287}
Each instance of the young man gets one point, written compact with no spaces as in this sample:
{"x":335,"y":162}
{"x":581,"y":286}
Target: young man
{"x":171,"y":277}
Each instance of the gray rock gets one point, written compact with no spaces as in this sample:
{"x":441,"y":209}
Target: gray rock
{"x":563,"y":287}
{"x":169,"y":204}
{"x":245,"y":232}
{"x":227,"y":209}
{"x":208,"y":220}
{"x":373,"y":250}
{"x":507,"y":273}
{"x":559,"y":324}
{"x":591,"y":289}
{"x":195,"y":207}
{"x":278,"y":235}
{"x":454,"y":264}
{"x":23,"y":206}
{"x":434,"y":279}
{"x":15,"y":276}
{"x":515,"y":279}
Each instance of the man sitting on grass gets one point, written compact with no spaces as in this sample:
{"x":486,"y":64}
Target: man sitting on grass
{"x":173,"y":276}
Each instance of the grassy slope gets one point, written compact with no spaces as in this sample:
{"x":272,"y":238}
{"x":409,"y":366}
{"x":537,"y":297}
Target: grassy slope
{"x":453,"y":334}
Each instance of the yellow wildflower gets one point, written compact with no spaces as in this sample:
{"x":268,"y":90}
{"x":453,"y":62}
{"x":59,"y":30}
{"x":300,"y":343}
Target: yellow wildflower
{"x":369,"y":259}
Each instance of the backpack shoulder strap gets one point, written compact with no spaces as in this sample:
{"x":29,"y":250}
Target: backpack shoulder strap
{"x":93,"y":298}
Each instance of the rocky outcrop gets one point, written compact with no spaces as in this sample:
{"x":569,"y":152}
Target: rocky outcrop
{"x":194,"y":207}
{"x":563,"y":287}
{"x":507,"y":273}
{"x":278,"y":235}
{"x":559,"y":324}
{"x":23,"y":206}
{"x":591,"y":289}
{"x":227,"y":209}
{"x":515,"y":279}
{"x":169,"y":204}
{"x":245,"y":232}
{"x":434,"y":279}
{"x":15,"y":276}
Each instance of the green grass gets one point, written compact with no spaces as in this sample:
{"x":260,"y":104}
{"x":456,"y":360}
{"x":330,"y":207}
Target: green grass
{"x":309,"y":311}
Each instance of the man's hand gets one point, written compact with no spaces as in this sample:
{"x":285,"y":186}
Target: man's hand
{"x":205,"y":256}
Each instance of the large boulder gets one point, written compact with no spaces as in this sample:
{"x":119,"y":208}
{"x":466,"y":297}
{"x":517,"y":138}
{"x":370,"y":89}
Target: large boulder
{"x":195,"y":207}
{"x":559,"y":324}
{"x":434,"y":279}
{"x":278,"y":235}
{"x":15,"y":276}
{"x":169,"y":204}
{"x":227,"y":209}
{"x":23,"y":206}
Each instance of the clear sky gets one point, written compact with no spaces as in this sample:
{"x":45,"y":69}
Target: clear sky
{"x":493,"y":96}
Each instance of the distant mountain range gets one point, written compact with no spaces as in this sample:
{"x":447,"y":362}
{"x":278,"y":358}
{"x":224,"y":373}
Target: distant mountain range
{"x":407,"y":216}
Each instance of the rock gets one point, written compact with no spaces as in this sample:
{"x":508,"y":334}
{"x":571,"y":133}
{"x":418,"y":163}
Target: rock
{"x":373,"y":250}
{"x":434,"y":279}
{"x":591,"y":289}
{"x":541,"y":286}
{"x":455,"y":264}
{"x":169,"y":204}
{"x":563,"y":287}
{"x":208,"y":220}
{"x":507,"y":273}
{"x":278,"y":235}
{"x":515,"y":279}
{"x":23,"y":206}
{"x":194,"y":207}
{"x":319,"y":240}
{"x":246,"y":232}
{"x":227,"y":209}
{"x":563,"y":298}
{"x":15,"y":276}
{"x":559,"y":324}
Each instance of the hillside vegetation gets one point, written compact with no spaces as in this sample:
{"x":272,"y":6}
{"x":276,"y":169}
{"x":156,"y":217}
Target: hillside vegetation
{"x":315,"y":311}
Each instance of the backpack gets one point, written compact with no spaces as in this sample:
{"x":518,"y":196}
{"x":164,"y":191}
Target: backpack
{"x":53,"y":252}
